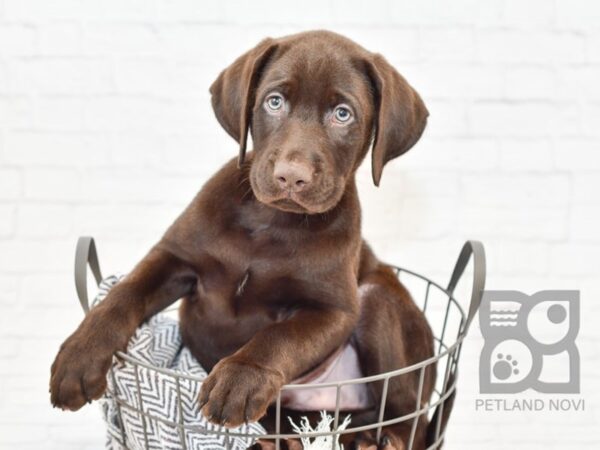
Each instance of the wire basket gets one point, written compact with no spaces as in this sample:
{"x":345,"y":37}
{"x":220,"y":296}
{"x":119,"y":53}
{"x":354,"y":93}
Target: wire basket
{"x":447,"y":318}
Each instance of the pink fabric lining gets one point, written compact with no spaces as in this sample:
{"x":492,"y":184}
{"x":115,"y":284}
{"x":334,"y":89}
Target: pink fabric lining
{"x":340,"y":366}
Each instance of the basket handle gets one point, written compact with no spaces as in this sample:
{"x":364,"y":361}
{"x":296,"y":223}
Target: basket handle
{"x":476,"y":249}
{"x":85,"y":254}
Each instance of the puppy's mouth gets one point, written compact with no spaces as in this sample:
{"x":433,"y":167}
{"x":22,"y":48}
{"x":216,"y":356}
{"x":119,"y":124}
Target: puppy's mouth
{"x":289,"y":202}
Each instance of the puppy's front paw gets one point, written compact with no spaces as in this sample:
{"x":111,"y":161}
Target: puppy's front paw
{"x":236,"y":392}
{"x":78,"y":374}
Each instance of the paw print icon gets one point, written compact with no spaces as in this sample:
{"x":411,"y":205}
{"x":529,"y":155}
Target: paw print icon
{"x":505,"y":367}
{"x":529,"y":342}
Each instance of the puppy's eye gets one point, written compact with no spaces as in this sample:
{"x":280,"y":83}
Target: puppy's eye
{"x":342,"y":114}
{"x":274,"y":102}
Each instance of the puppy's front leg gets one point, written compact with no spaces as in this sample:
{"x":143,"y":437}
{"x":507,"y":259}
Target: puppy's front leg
{"x":241,"y":387}
{"x":78,"y":374}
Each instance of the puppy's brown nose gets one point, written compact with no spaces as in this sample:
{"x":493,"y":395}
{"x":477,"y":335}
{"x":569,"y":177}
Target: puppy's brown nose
{"x":292,"y":175}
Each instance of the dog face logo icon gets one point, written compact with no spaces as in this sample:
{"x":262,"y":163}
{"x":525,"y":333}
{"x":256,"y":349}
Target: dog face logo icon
{"x":529,"y":342}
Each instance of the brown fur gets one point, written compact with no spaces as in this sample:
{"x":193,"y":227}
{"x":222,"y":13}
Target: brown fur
{"x":270,"y":272}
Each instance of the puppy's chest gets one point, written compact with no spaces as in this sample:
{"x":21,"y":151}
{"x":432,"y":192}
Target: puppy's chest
{"x":245,"y":270}
{"x":237,"y":293}
{"x":261,"y":245}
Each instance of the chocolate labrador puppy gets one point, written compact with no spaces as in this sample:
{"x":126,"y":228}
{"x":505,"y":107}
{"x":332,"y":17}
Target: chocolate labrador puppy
{"x":275,"y":278}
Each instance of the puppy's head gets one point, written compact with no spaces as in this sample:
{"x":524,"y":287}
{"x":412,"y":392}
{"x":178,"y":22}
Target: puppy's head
{"x":314,"y":103}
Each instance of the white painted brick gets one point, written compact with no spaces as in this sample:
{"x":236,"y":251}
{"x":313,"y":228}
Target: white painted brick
{"x":36,"y":256}
{"x":446,"y":118}
{"x":530,"y":119}
{"x":190,"y":155}
{"x":61,"y":149}
{"x":585,"y":223}
{"x":75,"y":9}
{"x":593,"y":47}
{"x":397,"y":44}
{"x":531,"y":82}
{"x":10,"y":348}
{"x":442,"y":81}
{"x":18,"y":435}
{"x":191,"y":42}
{"x":4,"y":79}
{"x":60,"y":38}
{"x":207,"y":124}
{"x":397,"y":184}
{"x":517,"y":258}
{"x":188,"y":116}
{"x":11,"y":184}
{"x":52,"y":184}
{"x":192,"y":79}
{"x":25,"y":380}
{"x":120,"y":39}
{"x":451,"y":44}
{"x":272,"y":12}
{"x":187,"y":10}
{"x":135,"y":149}
{"x":425,"y":218}
{"x":61,"y":75}
{"x":121,"y":10}
{"x":436,"y":12}
{"x":514,"y":222}
{"x":529,"y":47}
{"x":509,"y":190}
{"x":591,"y":118}
{"x":532,"y":13}
{"x":577,"y":14}
{"x":119,"y":113}
{"x":456,"y":153}
{"x":7,"y":220}
{"x":574,"y":259}
{"x":34,"y":291}
{"x":59,"y":113}
{"x":17,"y":40}
{"x":352,"y":11}
{"x":526,"y":154}
{"x":124,"y":221}
{"x":65,"y":437}
{"x":9,"y":290}
{"x":586,"y":187}
{"x":581,"y":83}
{"x":135,"y":185}
{"x":143,"y":76}
{"x":16,"y":112}
{"x":32,"y":10}
{"x":577,"y":154}
{"x":41,"y":220}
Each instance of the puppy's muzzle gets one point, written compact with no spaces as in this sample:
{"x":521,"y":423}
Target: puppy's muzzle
{"x":292,"y":176}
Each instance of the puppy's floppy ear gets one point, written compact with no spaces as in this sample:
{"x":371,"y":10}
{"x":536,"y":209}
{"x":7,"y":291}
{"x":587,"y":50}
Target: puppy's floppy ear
{"x":400,"y":114}
{"x":233,"y":92}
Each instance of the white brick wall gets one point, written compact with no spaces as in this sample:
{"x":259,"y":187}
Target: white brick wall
{"x":106,"y":129}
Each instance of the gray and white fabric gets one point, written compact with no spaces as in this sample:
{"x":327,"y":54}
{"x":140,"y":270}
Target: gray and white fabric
{"x":158,"y":343}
